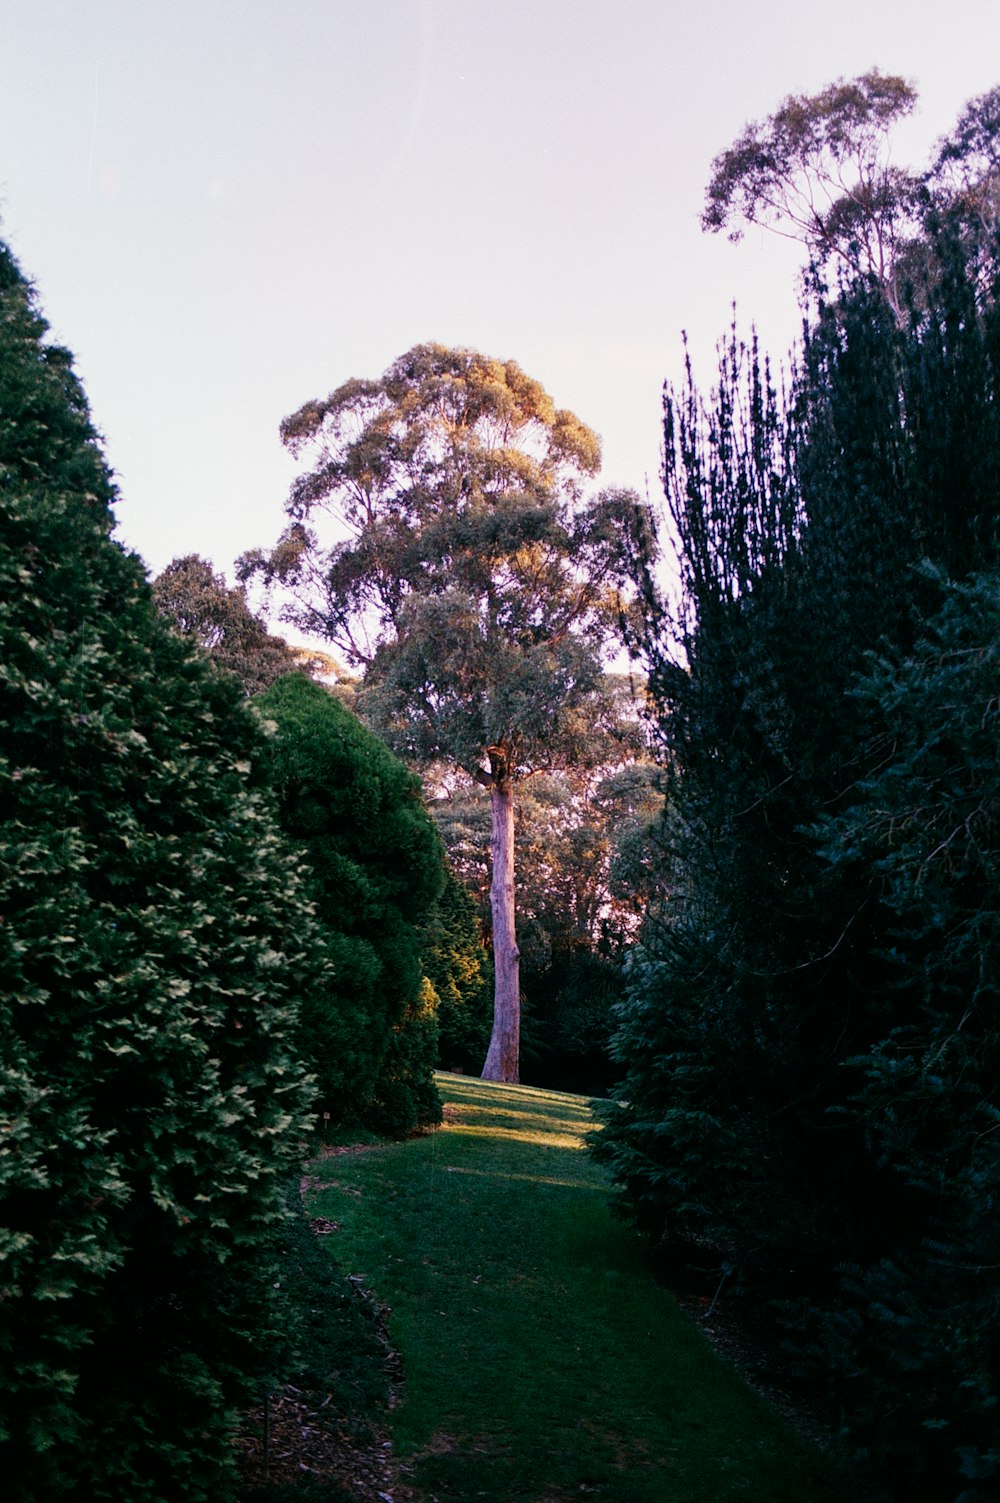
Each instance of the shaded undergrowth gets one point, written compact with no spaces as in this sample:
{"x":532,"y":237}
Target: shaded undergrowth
{"x":322,"y":1424}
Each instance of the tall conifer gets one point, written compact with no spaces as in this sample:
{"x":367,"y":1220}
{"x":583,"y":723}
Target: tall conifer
{"x":811,"y":1039}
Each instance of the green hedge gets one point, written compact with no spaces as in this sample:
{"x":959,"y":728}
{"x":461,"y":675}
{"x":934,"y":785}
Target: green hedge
{"x":377,"y":868}
{"x":153,"y":943}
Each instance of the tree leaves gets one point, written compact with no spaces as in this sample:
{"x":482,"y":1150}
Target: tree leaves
{"x":463,"y":569}
{"x":155,"y":939}
{"x":376,"y":870}
{"x":810,"y":1038}
{"x":813,"y":158}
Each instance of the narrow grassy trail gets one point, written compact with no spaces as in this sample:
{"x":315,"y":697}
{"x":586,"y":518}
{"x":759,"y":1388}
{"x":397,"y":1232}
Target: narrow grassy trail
{"x":541,"y":1361}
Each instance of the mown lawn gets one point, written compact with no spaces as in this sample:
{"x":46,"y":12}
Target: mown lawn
{"x":541,"y":1360}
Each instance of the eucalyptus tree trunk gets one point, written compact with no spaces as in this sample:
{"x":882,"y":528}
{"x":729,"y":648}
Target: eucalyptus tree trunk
{"x":503,"y":1059}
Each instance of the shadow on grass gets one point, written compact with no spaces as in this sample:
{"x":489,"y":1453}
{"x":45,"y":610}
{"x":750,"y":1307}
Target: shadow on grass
{"x":541,"y":1359}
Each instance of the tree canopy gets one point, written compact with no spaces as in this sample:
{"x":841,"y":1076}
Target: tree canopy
{"x":200,"y":605}
{"x":819,"y":169}
{"x":467,"y":574}
{"x":967,"y":162}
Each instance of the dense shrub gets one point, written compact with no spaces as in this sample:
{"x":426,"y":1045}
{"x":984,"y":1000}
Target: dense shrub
{"x":924,"y":830}
{"x":458,"y":967}
{"x":154,"y":940}
{"x":376,"y":866}
{"x":810,"y":1042}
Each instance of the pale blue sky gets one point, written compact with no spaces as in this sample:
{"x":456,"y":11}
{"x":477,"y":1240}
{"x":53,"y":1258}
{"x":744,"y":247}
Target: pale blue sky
{"x":231,"y":206}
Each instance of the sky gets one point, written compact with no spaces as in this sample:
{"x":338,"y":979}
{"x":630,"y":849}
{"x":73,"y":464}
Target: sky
{"x":232,"y":206}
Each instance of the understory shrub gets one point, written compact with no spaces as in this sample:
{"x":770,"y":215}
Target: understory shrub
{"x":376,"y":869}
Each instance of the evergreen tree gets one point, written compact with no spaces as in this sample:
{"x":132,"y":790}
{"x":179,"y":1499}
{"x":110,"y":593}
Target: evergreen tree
{"x":155,"y":939}
{"x":376,"y":866}
{"x":808,"y":1043}
{"x":923,"y":834}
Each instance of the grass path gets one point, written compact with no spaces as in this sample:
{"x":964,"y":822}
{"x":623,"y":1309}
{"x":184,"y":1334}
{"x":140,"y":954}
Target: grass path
{"x":541,"y":1361}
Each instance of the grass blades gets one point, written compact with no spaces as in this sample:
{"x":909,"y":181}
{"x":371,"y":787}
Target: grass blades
{"x":541,"y":1361}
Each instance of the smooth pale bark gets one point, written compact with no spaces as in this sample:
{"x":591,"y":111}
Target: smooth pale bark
{"x":503,"y":1059}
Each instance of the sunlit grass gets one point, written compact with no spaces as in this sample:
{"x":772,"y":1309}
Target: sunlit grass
{"x":541,"y":1360}
{"x":554,"y":1139}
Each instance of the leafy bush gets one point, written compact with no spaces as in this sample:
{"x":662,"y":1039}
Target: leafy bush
{"x":154,"y":942}
{"x":376,"y":866}
{"x":458,"y":968}
{"x":925,"y":828}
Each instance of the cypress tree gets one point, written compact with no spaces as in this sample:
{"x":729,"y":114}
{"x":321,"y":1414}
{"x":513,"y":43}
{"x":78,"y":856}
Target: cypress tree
{"x":809,"y":1043}
{"x":153,"y":943}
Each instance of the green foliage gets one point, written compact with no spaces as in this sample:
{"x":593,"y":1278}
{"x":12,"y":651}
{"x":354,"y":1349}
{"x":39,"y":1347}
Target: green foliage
{"x":924,"y":828}
{"x":155,"y":940}
{"x":466,"y":573}
{"x":581,"y":895}
{"x":583,"y":846}
{"x":198,"y":603}
{"x":820,"y":170}
{"x":450,"y":474}
{"x":457,"y":966}
{"x":542,"y":1359}
{"x":376,"y":867}
{"x":809,"y":1041}
{"x":965,"y":176}
{"x":569,"y":1014}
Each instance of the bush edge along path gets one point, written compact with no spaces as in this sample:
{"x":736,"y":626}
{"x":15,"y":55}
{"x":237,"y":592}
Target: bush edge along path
{"x":540,"y":1358}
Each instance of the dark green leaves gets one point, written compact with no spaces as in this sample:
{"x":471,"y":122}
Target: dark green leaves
{"x":155,"y":939}
{"x":376,"y":871}
{"x":810,"y":1039}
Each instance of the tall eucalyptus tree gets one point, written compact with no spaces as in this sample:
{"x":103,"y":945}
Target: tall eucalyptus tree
{"x":441,"y":540}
